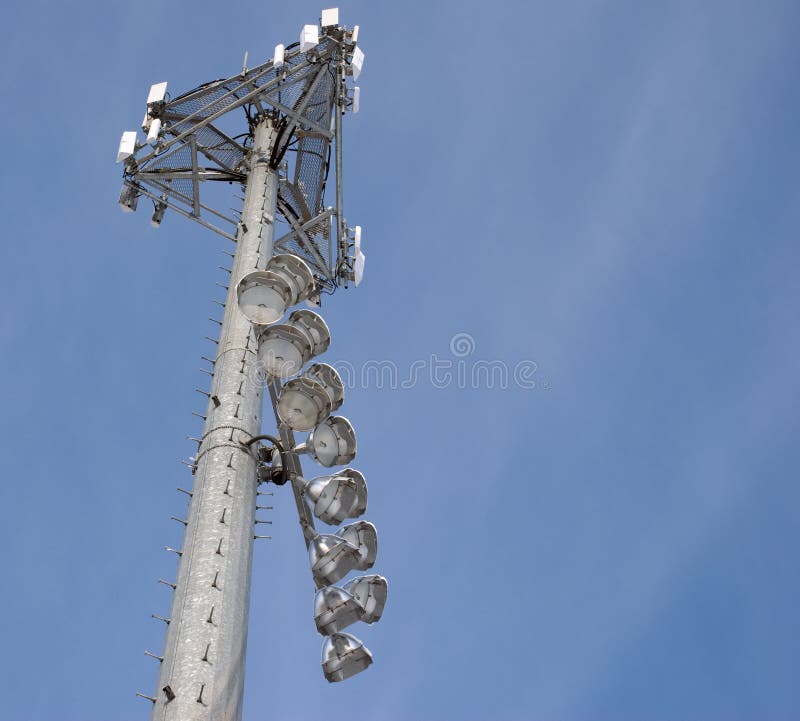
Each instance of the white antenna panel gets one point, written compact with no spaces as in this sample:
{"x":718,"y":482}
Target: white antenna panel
{"x":157,"y":93}
{"x":358,"y":268}
{"x":330,"y":17}
{"x":358,"y":62}
{"x":309,"y":37}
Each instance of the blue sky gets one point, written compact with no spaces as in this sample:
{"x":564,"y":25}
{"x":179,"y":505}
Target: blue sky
{"x":607,"y":189}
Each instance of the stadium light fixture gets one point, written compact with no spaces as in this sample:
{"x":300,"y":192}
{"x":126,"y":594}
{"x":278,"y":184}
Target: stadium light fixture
{"x":337,"y":497}
{"x":332,"y":558}
{"x":343,"y":656}
{"x":337,"y":607}
{"x":331,"y":443}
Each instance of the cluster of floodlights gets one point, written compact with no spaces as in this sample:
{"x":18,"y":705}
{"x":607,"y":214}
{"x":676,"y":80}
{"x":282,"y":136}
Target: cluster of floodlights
{"x":306,"y":403}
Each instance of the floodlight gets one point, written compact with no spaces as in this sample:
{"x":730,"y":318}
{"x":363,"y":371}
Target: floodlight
{"x":296,"y":273}
{"x":309,"y":399}
{"x":331,"y":558}
{"x":303,"y":404}
{"x":338,"y":497}
{"x":358,"y":268}
{"x":154,"y":131}
{"x":279,"y":56}
{"x":330,"y":380}
{"x":157,"y":93}
{"x":330,"y":17}
{"x":343,"y":656}
{"x":282,"y":351}
{"x":361,"y":599}
{"x":263,"y":296}
{"x":313,"y":327}
{"x":128,"y":198}
{"x":309,"y":37}
{"x":356,"y":98}
{"x":158,"y":214}
{"x":358,"y":62}
{"x":127,"y":145}
{"x":331,"y":443}
{"x":370,"y":593}
{"x":364,"y":536}
{"x":334,"y":609}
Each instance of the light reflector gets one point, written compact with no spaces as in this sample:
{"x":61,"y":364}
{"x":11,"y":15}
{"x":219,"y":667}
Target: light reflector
{"x":334,"y":609}
{"x":282,"y":351}
{"x":331,"y":558}
{"x":309,"y":399}
{"x":343,"y":656}
{"x":370,"y":593}
{"x":330,"y":380}
{"x":332,"y":442}
{"x":303,"y":404}
{"x":263,"y":297}
{"x":337,"y":497}
{"x":313,"y":326}
{"x":296,"y":273}
{"x":364,"y":536}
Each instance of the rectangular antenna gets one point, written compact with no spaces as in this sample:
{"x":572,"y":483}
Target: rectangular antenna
{"x":157,"y":93}
{"x":330,"y":17}
{"x":309,"y":37}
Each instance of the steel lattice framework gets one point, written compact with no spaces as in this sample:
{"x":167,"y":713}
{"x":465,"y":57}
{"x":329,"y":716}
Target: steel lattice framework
{"x":301,"y":94}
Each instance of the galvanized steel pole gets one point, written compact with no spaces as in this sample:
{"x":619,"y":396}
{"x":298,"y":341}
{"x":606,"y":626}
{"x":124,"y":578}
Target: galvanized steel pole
{"x":202,"y":672}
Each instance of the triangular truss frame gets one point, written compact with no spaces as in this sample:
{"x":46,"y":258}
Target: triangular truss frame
{"x":306,"y":95}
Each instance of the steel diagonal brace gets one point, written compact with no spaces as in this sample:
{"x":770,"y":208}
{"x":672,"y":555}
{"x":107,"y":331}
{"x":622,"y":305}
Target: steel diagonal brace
{"x":205,"y":150}
{"x":248,"y":97}
{"x":304,"y":122}
{"x":305,"y":226}
{"x":300,"y":234}
{"x":288,"y":131}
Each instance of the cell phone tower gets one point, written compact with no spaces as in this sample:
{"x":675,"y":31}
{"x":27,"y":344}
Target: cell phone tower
{"x":271,"y":130}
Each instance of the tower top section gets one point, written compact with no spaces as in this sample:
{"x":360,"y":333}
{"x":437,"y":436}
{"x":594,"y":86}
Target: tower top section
{"x":206,"y":135}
